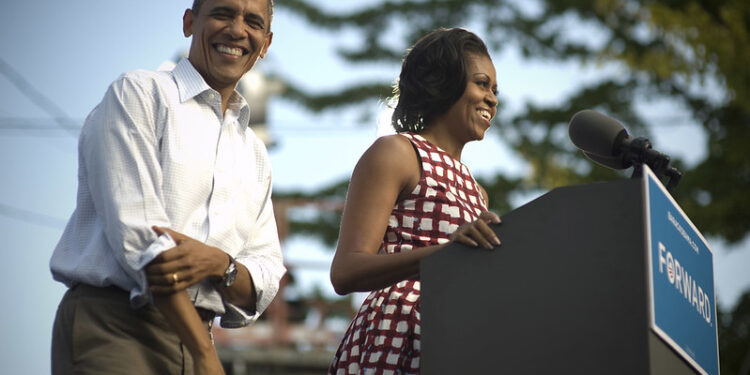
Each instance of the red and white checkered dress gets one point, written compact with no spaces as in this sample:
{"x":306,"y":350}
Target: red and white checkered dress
{"x":384,"y":337}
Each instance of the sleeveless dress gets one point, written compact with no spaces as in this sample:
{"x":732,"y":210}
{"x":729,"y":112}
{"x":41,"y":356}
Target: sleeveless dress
{"x":384,"y":336}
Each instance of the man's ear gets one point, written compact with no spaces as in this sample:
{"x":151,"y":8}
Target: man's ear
{"x":269,"y":38}
{"x":187,"y":23}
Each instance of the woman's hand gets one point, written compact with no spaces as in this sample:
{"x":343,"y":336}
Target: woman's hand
{"x":478,"y":232}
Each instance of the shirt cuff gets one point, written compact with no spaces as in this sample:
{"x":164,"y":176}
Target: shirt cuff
{"x":236,"y":317}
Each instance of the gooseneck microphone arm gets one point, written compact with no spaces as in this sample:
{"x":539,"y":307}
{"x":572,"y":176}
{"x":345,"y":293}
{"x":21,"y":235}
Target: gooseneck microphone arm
{"x":638,"y":151}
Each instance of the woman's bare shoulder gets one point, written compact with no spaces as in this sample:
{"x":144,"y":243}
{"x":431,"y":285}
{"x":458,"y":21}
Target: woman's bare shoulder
{"x":390,"y":158}
{"x":393,"y":143}
{"x":389,"y":149}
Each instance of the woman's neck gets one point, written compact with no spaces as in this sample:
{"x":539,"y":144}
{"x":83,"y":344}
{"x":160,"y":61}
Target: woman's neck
{"x":444,"y":139}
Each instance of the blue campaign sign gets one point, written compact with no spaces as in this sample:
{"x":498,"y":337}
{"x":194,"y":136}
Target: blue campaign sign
{"x":683,"y":303}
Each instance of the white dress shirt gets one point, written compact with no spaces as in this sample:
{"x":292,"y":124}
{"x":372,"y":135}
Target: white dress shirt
{"x":158,"y":151}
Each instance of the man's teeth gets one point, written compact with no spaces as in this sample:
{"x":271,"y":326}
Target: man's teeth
{"x":229,"y":50}
{"x":485,"y":114}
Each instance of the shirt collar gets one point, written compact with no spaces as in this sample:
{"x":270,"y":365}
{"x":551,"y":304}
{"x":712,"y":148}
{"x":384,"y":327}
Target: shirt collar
{"x":239,"y":104}
{"x":190,"y":84}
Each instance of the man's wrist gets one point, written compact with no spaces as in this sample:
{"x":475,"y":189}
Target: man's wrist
{"x":218,"y":275}
{"x":229,"y":274}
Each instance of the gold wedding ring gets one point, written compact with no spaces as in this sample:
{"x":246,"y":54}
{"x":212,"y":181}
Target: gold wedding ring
{"x":175,"y":279}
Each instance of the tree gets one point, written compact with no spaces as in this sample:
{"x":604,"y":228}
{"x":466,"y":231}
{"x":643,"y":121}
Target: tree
{"x":691,"y":53}
{"x":734,"y":338}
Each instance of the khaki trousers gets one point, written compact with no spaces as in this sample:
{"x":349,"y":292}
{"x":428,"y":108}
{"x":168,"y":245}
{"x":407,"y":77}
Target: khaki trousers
{"x":96,"y":331}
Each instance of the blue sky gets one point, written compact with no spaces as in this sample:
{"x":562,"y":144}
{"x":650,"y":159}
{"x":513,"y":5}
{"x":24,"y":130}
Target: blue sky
{"x":71,"y":50}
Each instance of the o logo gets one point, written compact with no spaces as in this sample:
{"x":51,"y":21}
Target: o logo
{"x":670,"y":267}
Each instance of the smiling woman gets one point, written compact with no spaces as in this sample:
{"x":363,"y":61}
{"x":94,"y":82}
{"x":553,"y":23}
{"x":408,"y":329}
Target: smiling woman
{"x":410,"y":195}
{"x":433,"y":77}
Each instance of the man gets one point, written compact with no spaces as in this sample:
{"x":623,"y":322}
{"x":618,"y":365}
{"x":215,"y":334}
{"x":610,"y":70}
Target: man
{"x":174,"y":208}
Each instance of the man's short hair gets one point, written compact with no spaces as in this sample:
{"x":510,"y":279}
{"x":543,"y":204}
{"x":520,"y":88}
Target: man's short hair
{"x":196,"y":8}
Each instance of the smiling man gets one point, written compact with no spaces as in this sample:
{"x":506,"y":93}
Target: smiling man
{"x":173,"y":224}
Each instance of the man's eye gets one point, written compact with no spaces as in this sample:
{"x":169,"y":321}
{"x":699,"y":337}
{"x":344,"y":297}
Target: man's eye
{"x":255,"y":24}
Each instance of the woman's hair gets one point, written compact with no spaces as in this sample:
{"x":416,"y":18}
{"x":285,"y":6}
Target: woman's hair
{"x":433,"y":77}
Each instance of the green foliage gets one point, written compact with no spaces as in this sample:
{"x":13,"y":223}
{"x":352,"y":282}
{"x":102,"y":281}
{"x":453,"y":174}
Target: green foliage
{"x":348,"y":96}
{"x":692,"y":53}
{"x":734,"y":338}
{"x":325,"y":222}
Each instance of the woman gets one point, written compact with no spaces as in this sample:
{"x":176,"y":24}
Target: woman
{"x":410,"y":195}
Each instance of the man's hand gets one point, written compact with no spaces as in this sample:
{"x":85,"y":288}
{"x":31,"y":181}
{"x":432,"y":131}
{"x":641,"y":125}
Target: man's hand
{"x":184,"y":265}
{"x":181,"y":315}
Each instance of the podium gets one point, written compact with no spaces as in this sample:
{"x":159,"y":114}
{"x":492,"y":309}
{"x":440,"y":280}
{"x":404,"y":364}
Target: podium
{"x":575,"y":288}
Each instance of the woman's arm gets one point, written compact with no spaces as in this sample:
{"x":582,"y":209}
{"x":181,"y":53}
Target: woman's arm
{"x":388,"y":170}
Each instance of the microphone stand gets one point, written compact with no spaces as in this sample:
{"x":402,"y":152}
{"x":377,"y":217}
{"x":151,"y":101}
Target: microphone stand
{"x":638,"y":152}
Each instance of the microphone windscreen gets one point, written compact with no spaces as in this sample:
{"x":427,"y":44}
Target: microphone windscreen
{"x":614,"y":162}
{"x":595,"y":133}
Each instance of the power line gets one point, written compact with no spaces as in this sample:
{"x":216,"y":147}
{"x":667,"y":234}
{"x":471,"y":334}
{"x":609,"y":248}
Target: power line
{"x":10,"y":126}
{"x":36,"y":96}
{"x":31,"y":217}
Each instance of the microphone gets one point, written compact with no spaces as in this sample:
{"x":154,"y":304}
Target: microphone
{"x":597,"y":134}
{"x":605,"y":141}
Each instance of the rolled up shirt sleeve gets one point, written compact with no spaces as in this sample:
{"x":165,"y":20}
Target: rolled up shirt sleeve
{"x":119,"y":151}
